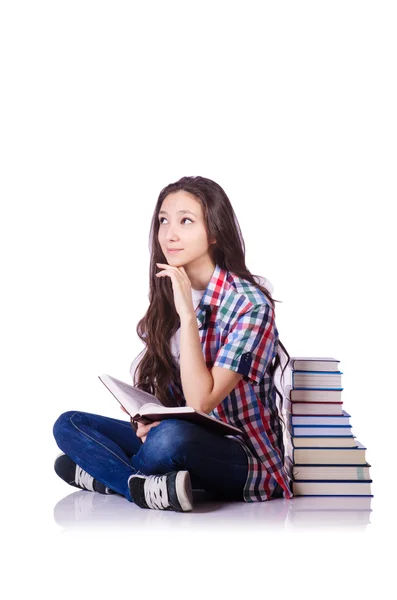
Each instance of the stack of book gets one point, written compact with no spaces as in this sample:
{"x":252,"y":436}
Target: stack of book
{"x":322,"y":456}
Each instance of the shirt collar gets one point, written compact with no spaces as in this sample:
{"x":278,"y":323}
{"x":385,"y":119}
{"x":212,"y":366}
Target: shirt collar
{"x":215,"y":288}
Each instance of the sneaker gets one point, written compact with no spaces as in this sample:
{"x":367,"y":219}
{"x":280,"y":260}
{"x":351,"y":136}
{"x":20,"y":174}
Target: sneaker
{"x":74,"y":475}
{"x":172,"y":491}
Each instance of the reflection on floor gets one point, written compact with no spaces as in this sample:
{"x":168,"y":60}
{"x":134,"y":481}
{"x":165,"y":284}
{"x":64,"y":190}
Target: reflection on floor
{"x":83,"y":509}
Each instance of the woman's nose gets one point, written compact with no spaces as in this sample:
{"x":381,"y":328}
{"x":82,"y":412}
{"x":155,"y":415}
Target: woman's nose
{"x":171,"y":234}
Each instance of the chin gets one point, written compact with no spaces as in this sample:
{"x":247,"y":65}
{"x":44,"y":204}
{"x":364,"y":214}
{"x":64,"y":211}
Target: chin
{"x":176,"y":260}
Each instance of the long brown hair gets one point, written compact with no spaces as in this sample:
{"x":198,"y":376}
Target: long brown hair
{"x":157,"y":373}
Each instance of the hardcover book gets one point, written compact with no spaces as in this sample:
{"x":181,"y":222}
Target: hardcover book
{"x":146,"y":408}
{"x":342,"y":420}
{"x":313,"y":408}
{"x":302,"y":363}
{"x":318,"y":430}
{"x":325,"y":441}
{"x":327,"y":472}
{"x":332,"y":488}
{"x":326,"y":456}
{"x":317,"y":380}
{"x":306,"y":395}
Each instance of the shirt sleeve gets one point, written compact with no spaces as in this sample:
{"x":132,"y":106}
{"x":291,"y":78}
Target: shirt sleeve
{"x":251,"y":343}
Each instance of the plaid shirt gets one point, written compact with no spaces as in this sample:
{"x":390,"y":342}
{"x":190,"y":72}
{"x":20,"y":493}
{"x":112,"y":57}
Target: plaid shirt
{"x":238,"y":332}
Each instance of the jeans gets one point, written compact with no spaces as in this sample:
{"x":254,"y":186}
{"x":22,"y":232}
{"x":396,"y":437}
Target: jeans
{"x":110,"y":451}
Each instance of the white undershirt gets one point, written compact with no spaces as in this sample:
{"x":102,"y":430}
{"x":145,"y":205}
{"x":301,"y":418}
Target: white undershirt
{"x":175,"y":344}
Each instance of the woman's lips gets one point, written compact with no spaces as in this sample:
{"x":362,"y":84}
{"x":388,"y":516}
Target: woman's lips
{"x":174,"y":251}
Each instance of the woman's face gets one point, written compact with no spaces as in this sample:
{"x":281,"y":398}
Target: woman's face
{"x":182,"y":230}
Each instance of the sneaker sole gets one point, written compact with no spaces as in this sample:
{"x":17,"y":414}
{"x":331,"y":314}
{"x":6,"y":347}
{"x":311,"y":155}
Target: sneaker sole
{"x":183,"y":489}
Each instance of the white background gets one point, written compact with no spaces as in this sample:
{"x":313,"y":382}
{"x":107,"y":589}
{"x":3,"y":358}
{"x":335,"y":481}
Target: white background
{"x":290,"y":107}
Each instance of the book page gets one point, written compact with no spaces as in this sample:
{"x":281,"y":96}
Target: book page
{"x":130,"y":397}
{"x":150,"y":407}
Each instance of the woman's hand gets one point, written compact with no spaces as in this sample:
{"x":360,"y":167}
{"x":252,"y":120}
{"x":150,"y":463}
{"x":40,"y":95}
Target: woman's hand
{"x":143,"y":430}
{"x":181,"y":288}
{"x":140,"y":429}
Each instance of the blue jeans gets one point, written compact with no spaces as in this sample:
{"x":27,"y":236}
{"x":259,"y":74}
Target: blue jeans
{"x":110,"y":451}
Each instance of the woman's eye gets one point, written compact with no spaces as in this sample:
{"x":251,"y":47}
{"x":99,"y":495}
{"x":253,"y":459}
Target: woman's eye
{"x":184,"y":219}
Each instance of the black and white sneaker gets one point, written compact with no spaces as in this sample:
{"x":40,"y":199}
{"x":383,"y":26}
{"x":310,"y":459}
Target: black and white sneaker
{"x":172,"y":491}
{"x":74,"y":475}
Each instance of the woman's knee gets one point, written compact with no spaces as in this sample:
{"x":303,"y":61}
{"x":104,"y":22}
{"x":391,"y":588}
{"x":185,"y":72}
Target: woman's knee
{"x":63,"y":423}
{"x":171,"y":435}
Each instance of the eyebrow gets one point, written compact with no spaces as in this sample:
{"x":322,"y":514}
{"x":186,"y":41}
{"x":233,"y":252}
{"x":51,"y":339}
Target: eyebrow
{"x":163,"y":212}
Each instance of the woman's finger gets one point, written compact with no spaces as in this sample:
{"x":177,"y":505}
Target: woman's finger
{"x":143,"y":430}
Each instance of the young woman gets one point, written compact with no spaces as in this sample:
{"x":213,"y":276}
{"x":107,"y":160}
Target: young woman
{"x":211,"y":343}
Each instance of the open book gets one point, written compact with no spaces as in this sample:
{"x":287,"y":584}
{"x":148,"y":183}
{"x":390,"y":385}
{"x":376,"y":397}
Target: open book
{"x":146,"y":408}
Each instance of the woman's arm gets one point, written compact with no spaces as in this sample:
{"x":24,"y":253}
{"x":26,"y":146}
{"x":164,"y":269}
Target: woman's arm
{"x":203,"y":389}
{"x":197,"y":382}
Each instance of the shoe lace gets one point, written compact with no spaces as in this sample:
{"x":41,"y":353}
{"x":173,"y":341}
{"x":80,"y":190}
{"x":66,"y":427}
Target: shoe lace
{"x":156,"y":494}
{"x":83,"y":479}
